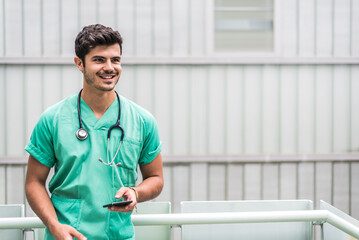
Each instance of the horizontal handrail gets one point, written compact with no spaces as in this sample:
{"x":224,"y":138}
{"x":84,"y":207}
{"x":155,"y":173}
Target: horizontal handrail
{"x":212,"y":218}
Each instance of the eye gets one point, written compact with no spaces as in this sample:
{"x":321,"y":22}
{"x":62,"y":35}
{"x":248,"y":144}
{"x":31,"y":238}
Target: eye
{"x":116,"y":60}
{"x":98,"y":60}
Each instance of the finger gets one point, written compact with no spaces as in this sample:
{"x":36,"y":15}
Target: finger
{"x":121,"y":209}
{"x":77,"y":234}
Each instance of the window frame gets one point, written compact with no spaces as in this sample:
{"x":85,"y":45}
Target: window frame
{"x":210,"y":34}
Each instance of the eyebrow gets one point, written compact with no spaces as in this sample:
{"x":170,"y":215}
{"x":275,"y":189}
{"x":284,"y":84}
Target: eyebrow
{"x":102,"y":57}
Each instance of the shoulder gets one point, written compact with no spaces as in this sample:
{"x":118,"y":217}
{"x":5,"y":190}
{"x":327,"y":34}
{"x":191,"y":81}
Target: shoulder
{"x":142,"y":113}
{"x":59,"y":109}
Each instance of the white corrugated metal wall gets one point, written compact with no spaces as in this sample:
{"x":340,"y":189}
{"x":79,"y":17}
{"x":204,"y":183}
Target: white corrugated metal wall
{"x":299,"y":100}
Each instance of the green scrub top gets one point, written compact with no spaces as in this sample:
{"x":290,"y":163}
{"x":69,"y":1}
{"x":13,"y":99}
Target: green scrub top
{"x":81,"y":184}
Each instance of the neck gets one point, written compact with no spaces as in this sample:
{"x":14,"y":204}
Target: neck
{"x":98,"y":101}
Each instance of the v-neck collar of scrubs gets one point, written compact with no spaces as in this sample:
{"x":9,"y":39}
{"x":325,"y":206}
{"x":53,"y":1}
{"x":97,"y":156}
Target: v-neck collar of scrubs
{"x":108,"y":119}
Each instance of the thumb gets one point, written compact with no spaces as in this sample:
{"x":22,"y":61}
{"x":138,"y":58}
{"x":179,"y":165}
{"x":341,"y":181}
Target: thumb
{"x":77,"y":234}
{"x":120,"y":192}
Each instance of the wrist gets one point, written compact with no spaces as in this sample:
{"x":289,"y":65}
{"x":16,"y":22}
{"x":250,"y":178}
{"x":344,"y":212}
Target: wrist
{"x":136,"y":193}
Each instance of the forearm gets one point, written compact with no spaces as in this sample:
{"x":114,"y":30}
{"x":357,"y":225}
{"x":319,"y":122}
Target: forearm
{"x":152,"y":183}
{"x":149,"y":189}
{"x":40,"y":203}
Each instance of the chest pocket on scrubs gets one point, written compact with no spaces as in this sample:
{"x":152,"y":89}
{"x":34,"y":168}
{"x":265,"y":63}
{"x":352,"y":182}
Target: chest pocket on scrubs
{"x":128,"y":157}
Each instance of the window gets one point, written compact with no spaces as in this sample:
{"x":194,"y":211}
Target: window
{"x":243,"y":26}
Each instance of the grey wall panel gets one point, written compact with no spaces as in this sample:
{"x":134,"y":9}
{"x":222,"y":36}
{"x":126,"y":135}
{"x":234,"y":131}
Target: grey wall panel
{"x":2,"y":29}
{"x":15,"y":179}
{"x":145,"y":90}
{"x":3,"y":107}
{"x":305,"y":109}
{"x":252,"y":181}
{"x":167,"y":187}
{"x":341,"y":185}
{"x":106,"y":12}
{"x":199,"y":181}
{"x":69,"y":26}
{"x":288,"y":181}
{"x":13,"y":21}
{"x":88,"y":12}
{"x":323,"y":109}
{"x":354,"y":28}
{"x":323,"y":182}
{"x":3,"y":185}
{"x":33,"y":95}
{"x":217,"y":182}
{"x":180,"y":28}
{"x":207,"y":110}
{"x":342,"y":13}
{"x":51,"y":28}
{"x":162,"y":25}
{"x":235,"y":182}
{"x":32,"y":28}
{"x":180,"y":186}
{"x":202,"y":109}
{"x":144,"y":28}
{"x":126,"y":23}
{"x":305,"y":181}
{"x":52,"y":85}
{"x":162,"y":109}
{"x":332,"y":180}
{"x":253,"y":76}
{"x":354,"y":119}
{"x":289,"y":27}
{"x":197,"y":27}
{"x":354,"y":190}
{"x":305,"y":27}
{"x":270,"y":109}
{"x":324,"y":28}
{"x":71,"y":80}
{"x":341,"y":109}
{"x":217,"y":110}
{"x":15,"y":109}
{"x":171,"y":28}
{"x":270,"y":182}
{"x":234,"y":120}
{"x":198,"y":110}
{"x":288,"y":109}
{"x":179,"y":110}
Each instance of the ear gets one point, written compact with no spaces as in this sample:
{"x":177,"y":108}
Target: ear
{"x":79,"y":63}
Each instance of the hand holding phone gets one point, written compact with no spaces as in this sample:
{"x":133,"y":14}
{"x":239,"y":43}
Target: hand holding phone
{"x":119,"y":204}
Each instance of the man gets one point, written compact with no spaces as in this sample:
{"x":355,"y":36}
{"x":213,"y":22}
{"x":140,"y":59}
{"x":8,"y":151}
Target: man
{"x":95,"y":140}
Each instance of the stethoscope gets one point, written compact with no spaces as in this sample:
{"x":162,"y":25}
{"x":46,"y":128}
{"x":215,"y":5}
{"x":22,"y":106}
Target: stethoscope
{"x":82,"y":133}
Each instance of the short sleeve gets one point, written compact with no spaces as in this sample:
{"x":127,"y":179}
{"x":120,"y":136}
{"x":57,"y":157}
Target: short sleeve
{"x":152,"y":145}
{"x":40,"y":145}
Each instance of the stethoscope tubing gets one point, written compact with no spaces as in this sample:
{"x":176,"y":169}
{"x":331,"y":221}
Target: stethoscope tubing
{"x":82,"y":133}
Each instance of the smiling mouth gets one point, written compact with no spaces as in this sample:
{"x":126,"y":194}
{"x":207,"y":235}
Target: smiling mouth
{"x":107,"y":76}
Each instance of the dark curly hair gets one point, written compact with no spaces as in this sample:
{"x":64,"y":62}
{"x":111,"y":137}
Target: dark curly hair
{"x":95,"y":35}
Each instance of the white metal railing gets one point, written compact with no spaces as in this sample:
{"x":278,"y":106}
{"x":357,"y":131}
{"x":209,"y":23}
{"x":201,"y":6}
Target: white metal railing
{"x":212,"y":218}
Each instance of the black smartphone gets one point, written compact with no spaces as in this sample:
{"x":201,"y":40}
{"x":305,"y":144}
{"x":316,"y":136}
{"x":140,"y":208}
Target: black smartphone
{"x":120,"y":204}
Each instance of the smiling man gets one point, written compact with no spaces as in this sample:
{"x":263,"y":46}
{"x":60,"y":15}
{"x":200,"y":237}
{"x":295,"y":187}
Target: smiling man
{"x":95,"y":140}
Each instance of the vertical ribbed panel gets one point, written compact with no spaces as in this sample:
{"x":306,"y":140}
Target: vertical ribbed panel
{"x":239,"y":109}
{"x":205,"y":109}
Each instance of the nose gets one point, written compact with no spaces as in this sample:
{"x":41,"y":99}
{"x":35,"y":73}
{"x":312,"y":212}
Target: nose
{"x":108,"y":66}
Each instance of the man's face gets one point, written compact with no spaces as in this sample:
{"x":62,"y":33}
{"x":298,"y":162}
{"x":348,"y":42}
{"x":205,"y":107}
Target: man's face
{"x":102,"y":67}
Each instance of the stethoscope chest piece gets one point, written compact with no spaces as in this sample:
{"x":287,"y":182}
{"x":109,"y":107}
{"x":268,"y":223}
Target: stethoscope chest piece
{"x":81,"y":134}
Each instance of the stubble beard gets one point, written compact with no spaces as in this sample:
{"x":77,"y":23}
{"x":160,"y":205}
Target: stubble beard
{"x":91,"y":82}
